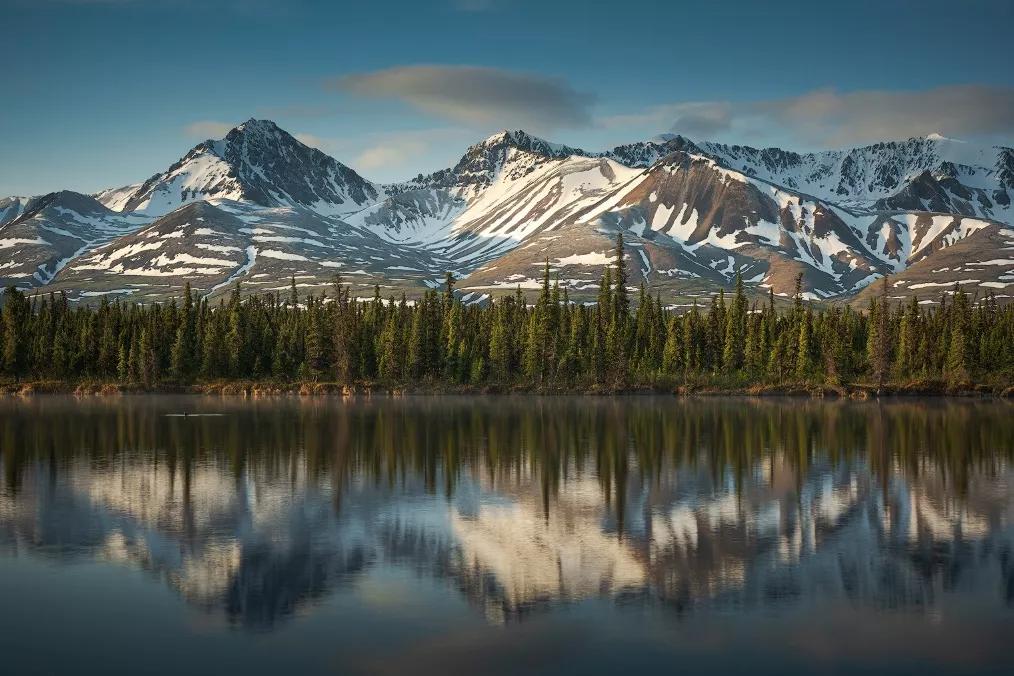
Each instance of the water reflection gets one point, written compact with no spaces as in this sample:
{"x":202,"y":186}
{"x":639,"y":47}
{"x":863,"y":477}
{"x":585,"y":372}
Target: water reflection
{"x":521,"y":505}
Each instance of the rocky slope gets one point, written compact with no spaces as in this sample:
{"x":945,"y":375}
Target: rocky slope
{"x":260,"y":207}
{"x":256,"y":162}
{"x":54,"y":230}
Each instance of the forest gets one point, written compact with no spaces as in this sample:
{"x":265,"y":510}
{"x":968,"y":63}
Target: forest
{"x":626,"y":341}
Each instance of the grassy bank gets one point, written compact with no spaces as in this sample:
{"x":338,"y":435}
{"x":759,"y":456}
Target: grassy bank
{"x":318,"y":388}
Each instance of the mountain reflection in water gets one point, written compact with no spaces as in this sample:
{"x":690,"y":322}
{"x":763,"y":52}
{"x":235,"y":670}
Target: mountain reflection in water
{"x":521,"y":504}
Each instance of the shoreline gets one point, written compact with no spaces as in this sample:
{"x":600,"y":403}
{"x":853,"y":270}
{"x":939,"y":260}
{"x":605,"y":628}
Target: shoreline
{"x":243,"y":388}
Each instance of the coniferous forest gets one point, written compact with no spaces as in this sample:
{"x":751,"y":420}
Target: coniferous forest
{"x":439,"y":343}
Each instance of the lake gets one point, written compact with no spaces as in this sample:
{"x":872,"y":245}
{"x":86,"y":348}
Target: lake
{"x":432,"y":535}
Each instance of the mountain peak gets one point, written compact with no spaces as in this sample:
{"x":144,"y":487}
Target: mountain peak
{"x":522,"y":140}
{"x":256,"y":162}
{"x":645,"y":153}
{"x":663,"y":138}
{"x":502,"y":136}
{"x":254,"y":126}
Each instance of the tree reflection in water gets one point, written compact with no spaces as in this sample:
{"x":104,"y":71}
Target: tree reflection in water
{"x":521,"y":504}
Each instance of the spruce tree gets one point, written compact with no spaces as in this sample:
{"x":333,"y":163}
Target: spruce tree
{"x":391,"y":350}
{"x":182,"y":356}
{"x":499,"y":343}
{"x":673,"y":350}
{"x":804,"y":357}
{"x":735,"y":330}
{"x":16,"y":312}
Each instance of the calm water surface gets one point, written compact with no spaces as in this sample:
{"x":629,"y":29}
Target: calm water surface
{"x":505,"y":535}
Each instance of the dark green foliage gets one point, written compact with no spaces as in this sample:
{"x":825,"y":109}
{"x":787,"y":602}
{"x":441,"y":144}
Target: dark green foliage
{"x":553,"y":344}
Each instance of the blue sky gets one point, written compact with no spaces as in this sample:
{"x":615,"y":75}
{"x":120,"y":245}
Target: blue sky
{"x":100,"y":93}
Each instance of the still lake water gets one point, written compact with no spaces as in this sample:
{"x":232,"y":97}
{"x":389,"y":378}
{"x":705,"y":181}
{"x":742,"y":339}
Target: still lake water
{"x":505,"y":535}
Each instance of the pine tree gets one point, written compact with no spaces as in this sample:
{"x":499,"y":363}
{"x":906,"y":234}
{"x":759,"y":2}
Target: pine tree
{"x":182,"y":356}
{"x":735,"y":330}
{"x":499,"y":344}
{"x":16,"y":312}
{"x":148,"y":362}
{"x":343,"y":332}
{"x":417,"y":345}
{"x":877,"y":341}
{"x":616,"y":335}
{"x":957,"y":358}
{"x":318,"y":357}
{"x":904,"y":364}
{"x":123,"y":363}
{"x":804,"y":357}
{"x":391,"y":350}
{"x":673,"y":350}
{"x":957,"y":368}
{"x":621,"y":297}
{"x":236,"y":336}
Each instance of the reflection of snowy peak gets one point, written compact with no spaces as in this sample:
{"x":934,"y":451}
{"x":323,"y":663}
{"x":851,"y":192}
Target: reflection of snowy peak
{"x":260,"y":548}
{"x":694,"y":214}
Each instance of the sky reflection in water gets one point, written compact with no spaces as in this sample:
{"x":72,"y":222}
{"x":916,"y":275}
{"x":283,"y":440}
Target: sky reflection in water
{"x":565,"y":534}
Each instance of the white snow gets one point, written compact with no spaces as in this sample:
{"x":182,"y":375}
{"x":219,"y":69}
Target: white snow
{"x":926,"y":285}
{"x":15,"y":241}
{"x":251,"y":258}
{"x":282,"y":255}
{"x":994,"y":261}
{"x":593,"y":258}
{"x":644,"y":259}
{"x":217,"y":248}
{"x":91,"y":294}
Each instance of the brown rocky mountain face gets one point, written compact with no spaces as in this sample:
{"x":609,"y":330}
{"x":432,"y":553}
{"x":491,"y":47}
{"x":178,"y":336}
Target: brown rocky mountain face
{"x":259,"y":207}
{"x":979,"y":264}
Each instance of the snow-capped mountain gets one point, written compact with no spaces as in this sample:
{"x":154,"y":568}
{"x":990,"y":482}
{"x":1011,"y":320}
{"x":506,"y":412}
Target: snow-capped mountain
{"x":690,"y":219}
{"x":890,"y":175}
{"x":256,"y":162}
{"x":260,"y":207}
{"x":503,"y":191}
{"x":214,"y":245}
{"x":53,"y":230}
{"x":11,"y":208}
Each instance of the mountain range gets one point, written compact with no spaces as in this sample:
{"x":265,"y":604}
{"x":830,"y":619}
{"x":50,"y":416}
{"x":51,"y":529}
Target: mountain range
{"x":259,"y":207}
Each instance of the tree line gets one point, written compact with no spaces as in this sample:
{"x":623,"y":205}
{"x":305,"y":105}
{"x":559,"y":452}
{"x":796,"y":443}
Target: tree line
{"x":613,"y":344}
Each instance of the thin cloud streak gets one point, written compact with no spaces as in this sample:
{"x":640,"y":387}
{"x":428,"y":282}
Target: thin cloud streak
{"x":835,"y":118}
{"x":827,"y":118}
{"x":477,"y":96}
{"x":205,"y":129}
{"x":400,"y":155}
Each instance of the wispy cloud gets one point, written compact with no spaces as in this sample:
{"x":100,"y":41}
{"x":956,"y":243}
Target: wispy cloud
{"x":829,"y":118}
{"x":699,"y":119}
{"x":837,"y":118}
{"x":205,"y":129}
{"x":313,"y":141}
{"x":482,"y":97}
{"x":401,"y":154}
{"x":397,"y":155}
